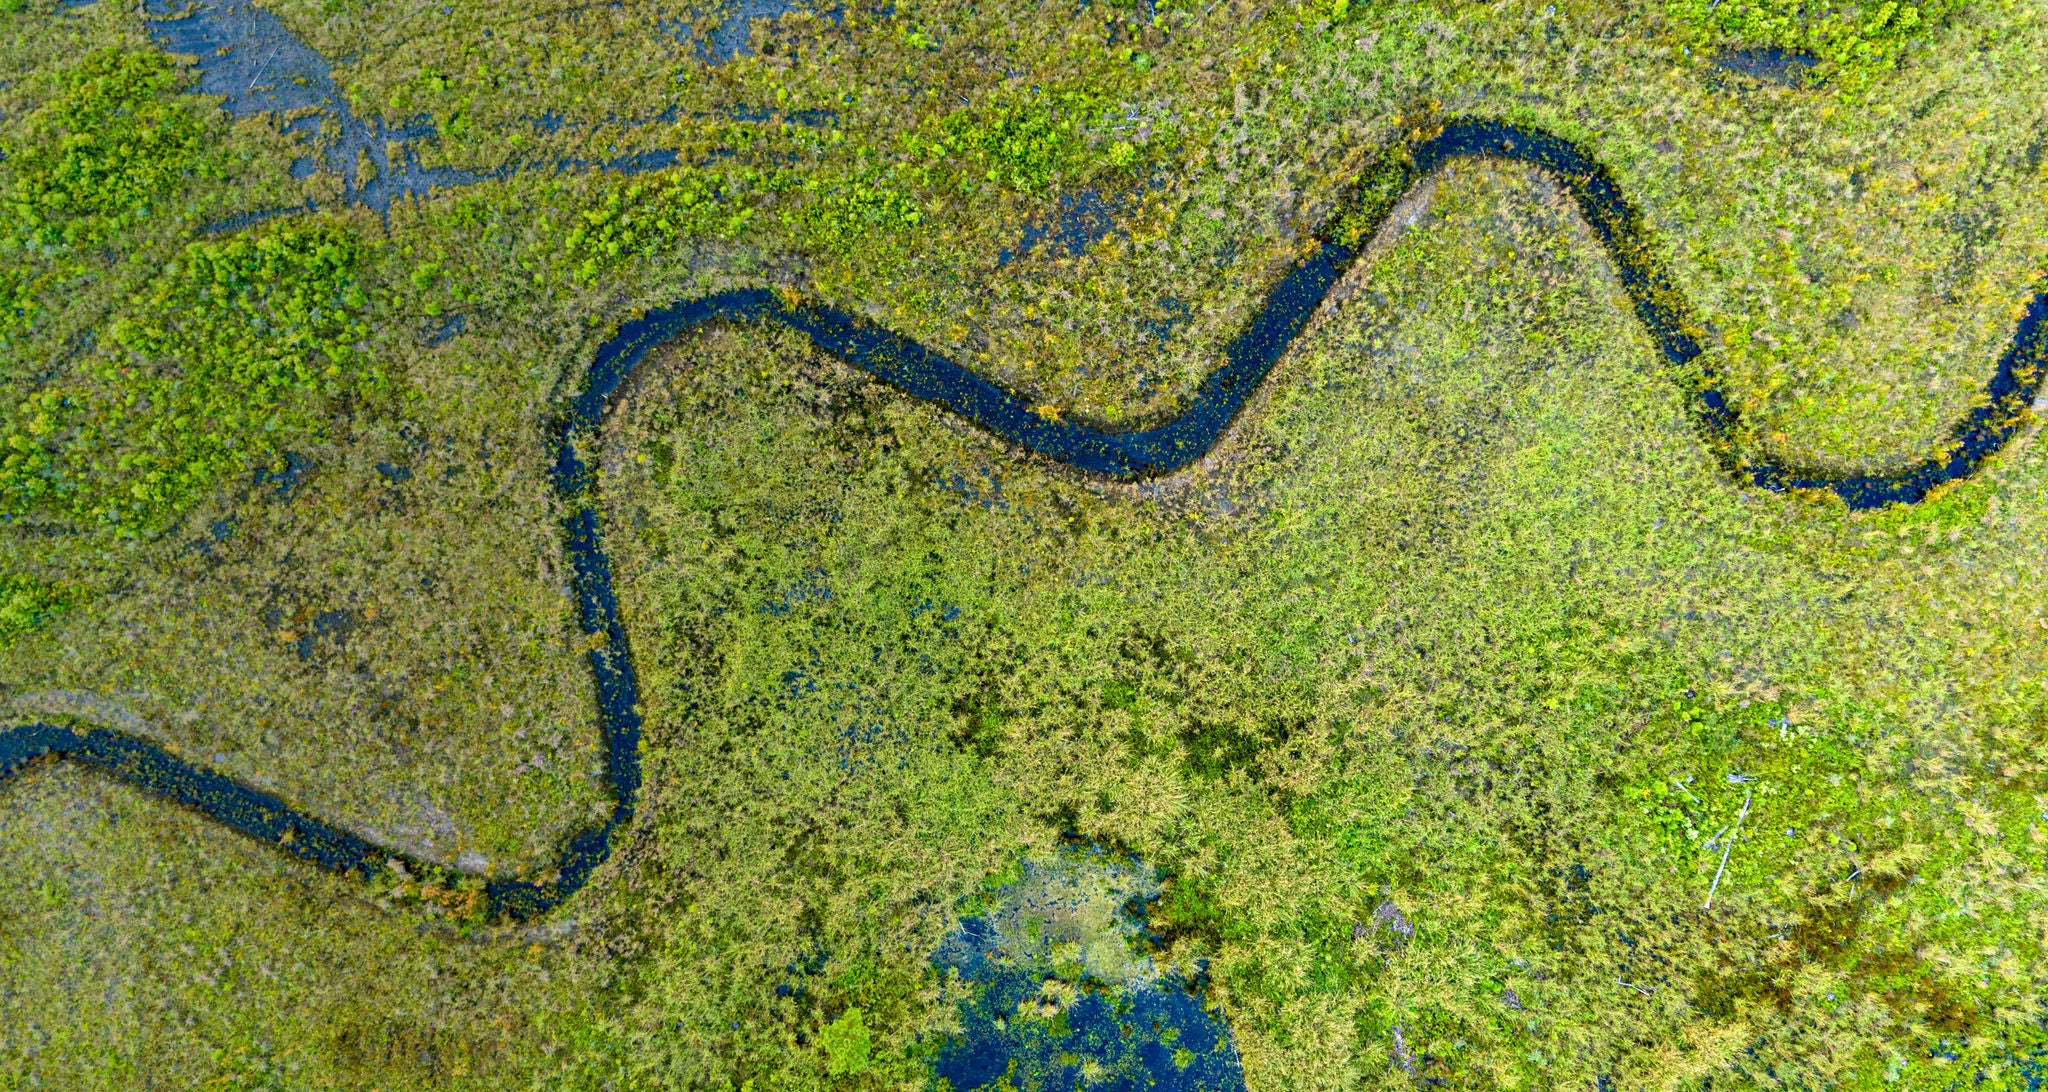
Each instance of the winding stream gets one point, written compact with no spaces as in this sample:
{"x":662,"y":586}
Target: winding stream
{"x":922,"y":373}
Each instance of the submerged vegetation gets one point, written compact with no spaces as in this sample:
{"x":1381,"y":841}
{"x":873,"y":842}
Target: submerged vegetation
{"x":1473,"y":728}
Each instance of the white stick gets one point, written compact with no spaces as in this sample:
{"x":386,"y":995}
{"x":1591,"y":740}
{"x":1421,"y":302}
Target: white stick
{"x":266,"y":64}
{"x":1716,"y":885}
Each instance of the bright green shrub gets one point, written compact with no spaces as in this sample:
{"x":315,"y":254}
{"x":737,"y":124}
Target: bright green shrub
{"x":230,"y":348}
{"x":26,"y":604}
{"x":848,"y":212}
{"x":1022,"y":140}
{"x":18,"y":303}
{"x":848,"y":1046}
{"x":645,"y":215}
{"x":112,"y":142}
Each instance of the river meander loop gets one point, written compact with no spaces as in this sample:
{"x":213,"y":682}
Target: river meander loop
{"x":902,"y":363}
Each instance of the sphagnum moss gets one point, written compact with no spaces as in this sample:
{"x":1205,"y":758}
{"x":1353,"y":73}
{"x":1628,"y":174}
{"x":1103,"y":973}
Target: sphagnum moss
{"x":1460,"y":619}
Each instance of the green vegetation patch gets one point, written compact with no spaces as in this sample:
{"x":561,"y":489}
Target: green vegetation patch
{"x":1026,"y":139}
{"x":19,"y":305}
{"x":231,"y":346}
{"x":641,"y":217}
{"x":1484,"y":733}
{"x":110,"y":144}
{"x":26,"y":604}
{"x":1855,"y":40}
{"x":847,"y":1043}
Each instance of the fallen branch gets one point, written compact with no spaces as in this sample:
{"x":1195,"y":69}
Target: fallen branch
{"x":1730,"y":845}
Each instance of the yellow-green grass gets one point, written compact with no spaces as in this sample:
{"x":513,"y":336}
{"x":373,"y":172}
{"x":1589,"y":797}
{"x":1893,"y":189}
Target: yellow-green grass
{"x":1439,"y":623}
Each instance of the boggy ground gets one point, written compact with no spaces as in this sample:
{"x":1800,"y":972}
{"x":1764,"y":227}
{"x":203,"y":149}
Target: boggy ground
{"x":1460,"y":618}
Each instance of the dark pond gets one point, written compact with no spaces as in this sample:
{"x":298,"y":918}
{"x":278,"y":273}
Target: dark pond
{"x":1066,"y":996}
